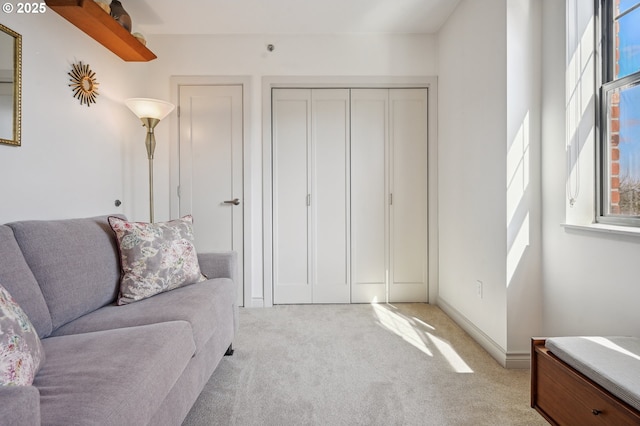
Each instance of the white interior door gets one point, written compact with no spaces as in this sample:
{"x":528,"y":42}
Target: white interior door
{"x":211,"y":173}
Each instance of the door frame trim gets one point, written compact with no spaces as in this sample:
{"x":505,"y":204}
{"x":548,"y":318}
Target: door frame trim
{"x":174,"y":160}
{"x":350,"y":82}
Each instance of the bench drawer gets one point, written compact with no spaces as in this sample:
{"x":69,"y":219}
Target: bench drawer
{"x":566,"y":397}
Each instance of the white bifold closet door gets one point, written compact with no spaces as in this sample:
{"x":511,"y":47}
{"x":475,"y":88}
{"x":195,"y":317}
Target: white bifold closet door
{"x":408,"y":188}
{"x":389,"y":195}
{"x":311,"y":191}
{"x":370,"y":197}
{"x":349,"y":195}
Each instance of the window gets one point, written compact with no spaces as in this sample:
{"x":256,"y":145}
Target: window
{"x":619,"y":180}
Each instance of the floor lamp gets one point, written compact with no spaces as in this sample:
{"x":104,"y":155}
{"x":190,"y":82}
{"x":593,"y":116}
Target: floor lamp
{"x":150,"y":112}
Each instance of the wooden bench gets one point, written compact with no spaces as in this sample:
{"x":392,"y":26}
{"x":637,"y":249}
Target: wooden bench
{"x":564,"y":396}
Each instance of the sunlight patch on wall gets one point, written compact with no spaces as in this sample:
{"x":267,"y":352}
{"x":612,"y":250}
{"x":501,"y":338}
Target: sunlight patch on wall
{"x":580,"y":77}
{"x":518,"y":170}
{"x":580,"y":80}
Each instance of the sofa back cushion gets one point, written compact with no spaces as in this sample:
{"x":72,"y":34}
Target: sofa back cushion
{"x":75,"y":262}
{"x":18,"y":279}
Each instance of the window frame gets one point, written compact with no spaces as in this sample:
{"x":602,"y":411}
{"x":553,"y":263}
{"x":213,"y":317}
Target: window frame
{"x":606,"y":84}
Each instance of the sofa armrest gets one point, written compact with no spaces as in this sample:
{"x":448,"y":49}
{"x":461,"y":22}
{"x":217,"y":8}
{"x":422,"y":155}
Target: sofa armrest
{"x":219,"y":264}
{"x":20,"y":405}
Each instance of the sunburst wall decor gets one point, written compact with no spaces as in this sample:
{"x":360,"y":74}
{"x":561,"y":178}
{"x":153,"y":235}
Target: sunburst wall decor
{"x":84,"y":84}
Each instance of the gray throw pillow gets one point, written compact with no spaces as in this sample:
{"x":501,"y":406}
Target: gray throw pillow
{"x":155,"y":257}
{"x":21,"y":351}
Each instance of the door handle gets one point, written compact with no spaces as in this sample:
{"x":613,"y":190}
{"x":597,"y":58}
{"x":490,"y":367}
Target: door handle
{"x":235,"y":202}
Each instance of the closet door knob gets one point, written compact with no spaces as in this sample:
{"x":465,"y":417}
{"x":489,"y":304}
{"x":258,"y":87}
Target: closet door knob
{"x":235,"y":202}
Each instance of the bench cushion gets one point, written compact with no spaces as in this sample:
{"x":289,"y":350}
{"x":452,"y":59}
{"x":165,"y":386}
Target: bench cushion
{"x":612,"y":362}
{"x":115,"y":377}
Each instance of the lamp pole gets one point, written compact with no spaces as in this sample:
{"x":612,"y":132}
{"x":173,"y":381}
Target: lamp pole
{"x":150,"y":144}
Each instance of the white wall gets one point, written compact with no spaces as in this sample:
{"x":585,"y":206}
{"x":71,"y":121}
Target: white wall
{"x":523,"y":222}
{"x":300,"y":56}
{"x":471,"y":164}
{"x":489,"y":156}
{"x":590,"y":278}
{"x":74,"y":159}
{"x":582,"y":281}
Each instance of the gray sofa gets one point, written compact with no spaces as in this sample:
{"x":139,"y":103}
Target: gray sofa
{"x":144,"y":363}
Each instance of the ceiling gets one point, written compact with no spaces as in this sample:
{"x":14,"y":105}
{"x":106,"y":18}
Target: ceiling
{"x":303,"y":17}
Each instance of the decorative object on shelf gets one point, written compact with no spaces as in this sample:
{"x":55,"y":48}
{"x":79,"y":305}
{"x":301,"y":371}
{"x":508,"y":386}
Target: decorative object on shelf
{"x":120,"y":15}
{"x":150,"y":112}
{"x":89,"y":18}
{"x":140,"y":38}
{"x":104,"y":4}
{"x":84,"y":84}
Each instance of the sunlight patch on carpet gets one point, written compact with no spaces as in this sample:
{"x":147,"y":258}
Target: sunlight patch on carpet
{"x":400,"y":326}
{"x":417,"y":333}
{"x":450,"y":354}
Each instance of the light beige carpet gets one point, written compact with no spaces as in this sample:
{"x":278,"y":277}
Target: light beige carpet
{"x":403,"y":364}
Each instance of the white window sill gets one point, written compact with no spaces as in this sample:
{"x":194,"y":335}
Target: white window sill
{"x":604,"y":228}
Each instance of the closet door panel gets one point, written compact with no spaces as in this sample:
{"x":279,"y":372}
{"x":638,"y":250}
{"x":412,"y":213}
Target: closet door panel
{"x":330,"y":195}
{"x":349,"y":195}
{"x":408,"y":134}
{"x":291,"y":141}
{"x":369,"y":194}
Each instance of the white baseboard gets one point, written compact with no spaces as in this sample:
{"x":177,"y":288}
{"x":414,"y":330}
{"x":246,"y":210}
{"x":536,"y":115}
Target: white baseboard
{"x":511,"y":360}
{"x":518,"y":360}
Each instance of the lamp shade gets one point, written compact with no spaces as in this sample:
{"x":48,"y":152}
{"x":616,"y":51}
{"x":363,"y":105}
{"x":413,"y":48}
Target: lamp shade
{"x":149,"y":108}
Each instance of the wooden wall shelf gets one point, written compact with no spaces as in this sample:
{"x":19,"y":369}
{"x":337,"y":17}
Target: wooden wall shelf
{"x":99,"y":25}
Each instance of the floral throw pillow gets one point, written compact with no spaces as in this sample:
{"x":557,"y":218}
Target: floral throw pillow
{"x":155,"y":257}
{"x":21,"y":352}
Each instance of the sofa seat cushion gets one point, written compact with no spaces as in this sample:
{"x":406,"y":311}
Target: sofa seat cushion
{"x":199,"y":304}
{"x":114,"y":377}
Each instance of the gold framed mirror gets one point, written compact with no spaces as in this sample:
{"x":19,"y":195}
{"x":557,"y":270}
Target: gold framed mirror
{"x":10,"y":86}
